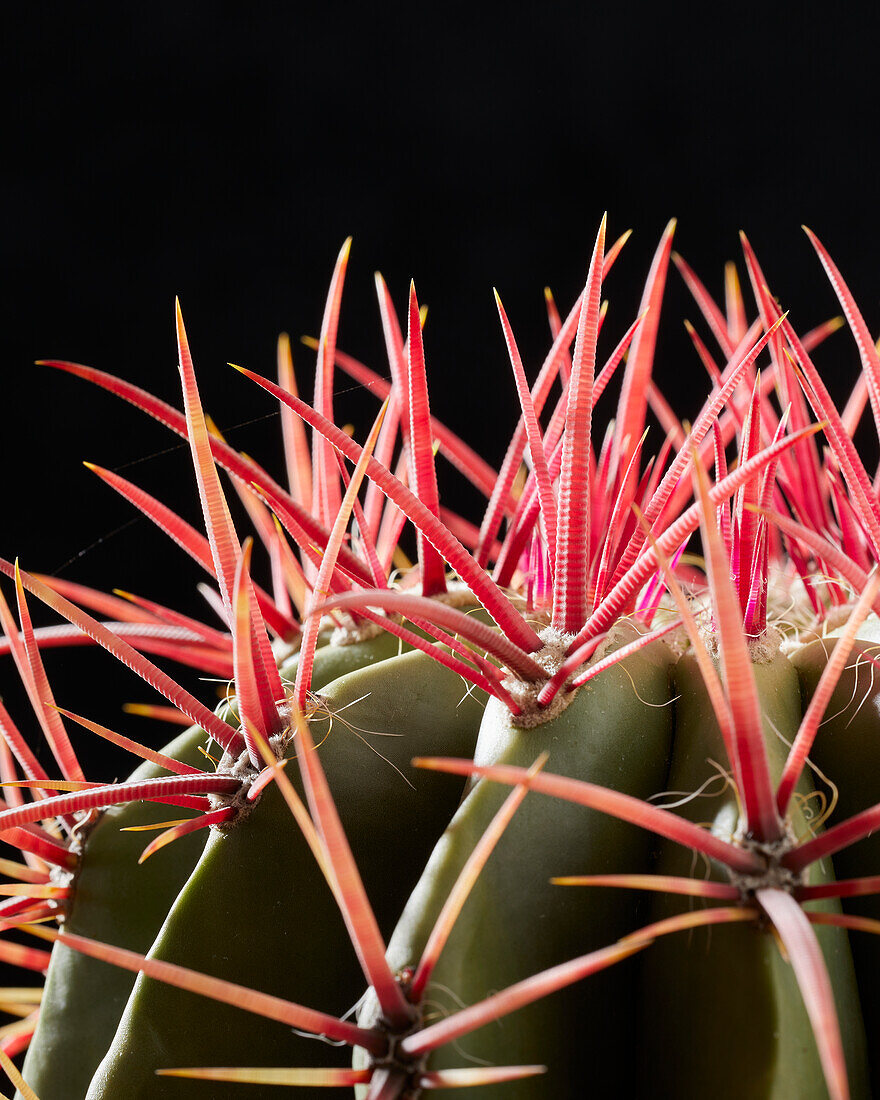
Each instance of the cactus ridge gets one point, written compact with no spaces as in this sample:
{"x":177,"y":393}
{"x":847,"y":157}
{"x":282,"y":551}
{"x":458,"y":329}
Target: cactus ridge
{"x":561,"y":675}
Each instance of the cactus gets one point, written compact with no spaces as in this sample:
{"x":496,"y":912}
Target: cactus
{"x":320,"y":872}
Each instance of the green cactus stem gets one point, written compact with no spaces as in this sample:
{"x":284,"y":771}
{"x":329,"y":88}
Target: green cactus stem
{"x":720,"y":1008}
{"x":615,"y":731}
{"x":257,"y":876}
{"x":114,"y":899}
{"x":847,"y":753}
{"x":260,"y":873}
{"x":282,"y":921}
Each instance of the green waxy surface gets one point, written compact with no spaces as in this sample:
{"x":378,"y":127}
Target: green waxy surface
{"x":381,"y":718}
{"x":721,"y":1013}
{"x":333,"y":661}
{"x":119,"y":902}
{"x":616,"y":732}
{"x":847,"y":751}
{"x":256,"y":910}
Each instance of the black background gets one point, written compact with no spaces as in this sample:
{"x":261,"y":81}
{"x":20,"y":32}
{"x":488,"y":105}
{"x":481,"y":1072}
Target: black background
{"x":223,"y":152}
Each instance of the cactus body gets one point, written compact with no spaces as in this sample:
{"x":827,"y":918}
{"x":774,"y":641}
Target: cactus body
{"x":721,"y":1013}
{"x":847,"y":751}
{"x":303,"y":947}
{"x":119,"y":901}
{"x":333,"y":660}
{"x":261,"y":875}
{"x":616,"y":731}
{"x":756,"y":999}
{"x":406,"y":707}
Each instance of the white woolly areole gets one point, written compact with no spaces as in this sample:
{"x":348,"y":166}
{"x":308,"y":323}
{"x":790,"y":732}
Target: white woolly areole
{"x":457,"y":594}
{"x":827,"y":628}
{"x":839,"y":616}
{"x":551,"y":656}
{"x":60,"y":876}
{"x":762,"y":649}
{"x":774,"y":875}
{"x":242,"y":769}
{"x":677,"y":641}
{"x":347,"y":632}
{"x":789,"y":606}
{"x":525,"y":693}
{"x":283,"y":649}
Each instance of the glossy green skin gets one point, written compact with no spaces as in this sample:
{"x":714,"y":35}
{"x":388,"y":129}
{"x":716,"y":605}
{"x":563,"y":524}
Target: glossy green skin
{"x":256,"y":910}
{"x":119,"y":902}
{"x":847,"y":751}
{"x":721,"y":1013}
{"x":437,"y":713}
{"x":333,"y":661}
{"x":515,"y":923}
{"x":84,"y":999}
{"x":394,"y":813}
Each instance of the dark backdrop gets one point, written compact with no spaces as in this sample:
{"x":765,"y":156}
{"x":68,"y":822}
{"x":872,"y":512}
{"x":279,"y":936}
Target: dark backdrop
{"x":222,"y":152}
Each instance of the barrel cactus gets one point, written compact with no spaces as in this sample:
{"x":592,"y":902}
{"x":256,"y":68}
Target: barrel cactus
{"x":653,"y":679}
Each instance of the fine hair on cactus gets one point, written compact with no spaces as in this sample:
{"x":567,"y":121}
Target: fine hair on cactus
{"x":577,"y":797}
